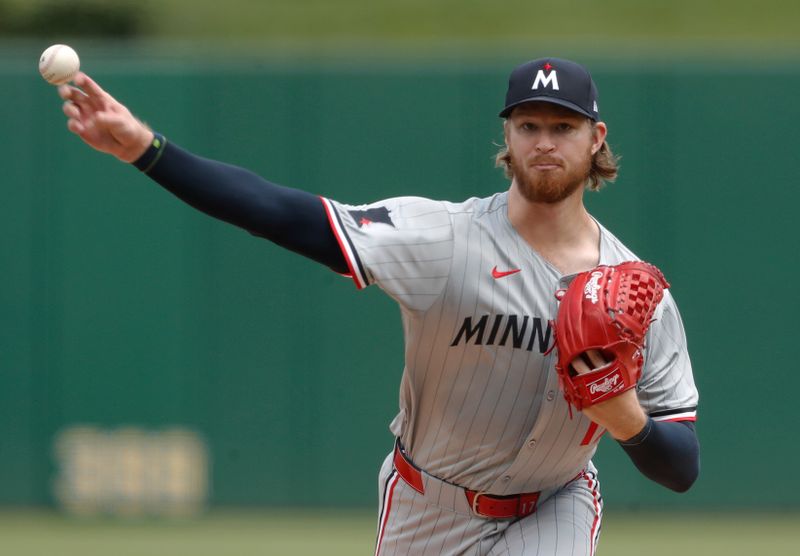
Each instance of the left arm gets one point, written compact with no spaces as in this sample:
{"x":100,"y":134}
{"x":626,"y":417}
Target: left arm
{"x":666,"y":452}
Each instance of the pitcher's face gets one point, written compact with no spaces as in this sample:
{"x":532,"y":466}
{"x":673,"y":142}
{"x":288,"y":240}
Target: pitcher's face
{"x":551,"y":149}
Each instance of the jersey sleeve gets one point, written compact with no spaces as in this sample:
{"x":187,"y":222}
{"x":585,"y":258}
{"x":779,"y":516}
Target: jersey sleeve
{"x":667,"y":390}
{"x":404,"y":245}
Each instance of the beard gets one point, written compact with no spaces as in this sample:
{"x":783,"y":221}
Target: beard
{"x":551,"y":186}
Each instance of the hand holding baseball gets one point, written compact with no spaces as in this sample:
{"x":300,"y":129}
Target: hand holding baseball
{"x":102,"y":122}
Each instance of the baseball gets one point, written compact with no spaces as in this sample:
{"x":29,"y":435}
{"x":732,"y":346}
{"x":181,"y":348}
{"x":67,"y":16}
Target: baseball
{"x":59,"y":64}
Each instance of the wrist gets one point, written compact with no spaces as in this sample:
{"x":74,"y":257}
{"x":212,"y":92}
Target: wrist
{"x":629,"y":426}
{"x":639,"y":437}
{"x":622,"y":416}
{"x":151,"y":152}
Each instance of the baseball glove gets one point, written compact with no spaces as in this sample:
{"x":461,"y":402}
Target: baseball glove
{"x":607,"y":309}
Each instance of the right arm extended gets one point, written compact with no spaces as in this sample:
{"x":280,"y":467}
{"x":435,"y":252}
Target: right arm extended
{"x":291,"y":218}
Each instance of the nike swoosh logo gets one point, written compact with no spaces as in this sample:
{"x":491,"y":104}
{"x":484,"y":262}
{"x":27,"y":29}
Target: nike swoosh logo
{"x":503,"y":273}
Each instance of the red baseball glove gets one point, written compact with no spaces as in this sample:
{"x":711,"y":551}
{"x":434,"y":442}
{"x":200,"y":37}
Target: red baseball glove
{"x":607,"y":309}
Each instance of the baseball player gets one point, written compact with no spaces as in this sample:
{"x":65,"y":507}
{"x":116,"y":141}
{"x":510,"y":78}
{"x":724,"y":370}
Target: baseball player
{"x":489,"y":457}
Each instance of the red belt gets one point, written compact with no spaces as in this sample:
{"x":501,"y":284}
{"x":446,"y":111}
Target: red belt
{"x":482,"y":504}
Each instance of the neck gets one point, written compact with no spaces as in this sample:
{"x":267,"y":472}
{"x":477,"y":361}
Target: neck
{"x":562,"y":232}
{"x":556,"y":223}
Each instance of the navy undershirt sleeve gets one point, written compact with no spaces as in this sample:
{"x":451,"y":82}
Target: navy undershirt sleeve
{"x":666,"y":452}
{"x":291,"y":218}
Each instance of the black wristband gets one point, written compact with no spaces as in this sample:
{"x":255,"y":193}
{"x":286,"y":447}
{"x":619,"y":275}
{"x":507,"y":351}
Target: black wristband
{"x":146,"y":162}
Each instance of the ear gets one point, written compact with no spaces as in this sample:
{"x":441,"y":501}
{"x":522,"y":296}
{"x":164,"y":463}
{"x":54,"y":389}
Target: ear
{"x":505,"y":131}
{"x":600,"y":132}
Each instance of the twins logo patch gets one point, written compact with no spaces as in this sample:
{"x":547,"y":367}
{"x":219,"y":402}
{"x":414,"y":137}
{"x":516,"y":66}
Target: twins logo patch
{"x":371,"y":216}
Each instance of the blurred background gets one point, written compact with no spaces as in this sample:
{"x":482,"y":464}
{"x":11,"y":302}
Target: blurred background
{"x":170,"y":384}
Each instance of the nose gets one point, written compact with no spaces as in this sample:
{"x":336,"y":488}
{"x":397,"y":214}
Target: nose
{"x":545,"y":144}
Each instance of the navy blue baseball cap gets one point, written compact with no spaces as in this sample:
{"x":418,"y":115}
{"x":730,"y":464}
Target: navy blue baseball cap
{"x":552,"y":80}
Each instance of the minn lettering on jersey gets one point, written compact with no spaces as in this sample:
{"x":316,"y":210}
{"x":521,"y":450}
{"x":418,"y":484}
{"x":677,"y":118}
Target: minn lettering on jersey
{"x":521,"y":332}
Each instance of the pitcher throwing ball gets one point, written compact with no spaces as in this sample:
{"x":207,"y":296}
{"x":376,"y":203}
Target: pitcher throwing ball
{"x":505,"y":393}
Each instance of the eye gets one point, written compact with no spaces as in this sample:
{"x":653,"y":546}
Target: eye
{"x":563,"y":127}
{"x":527,"y":126}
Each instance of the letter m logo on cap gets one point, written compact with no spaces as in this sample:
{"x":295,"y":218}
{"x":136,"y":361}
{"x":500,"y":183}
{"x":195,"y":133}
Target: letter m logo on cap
{"x":546,"y":80}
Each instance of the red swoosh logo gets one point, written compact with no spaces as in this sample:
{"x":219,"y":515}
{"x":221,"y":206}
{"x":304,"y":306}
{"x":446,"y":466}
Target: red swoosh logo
{"x":503,"y":273}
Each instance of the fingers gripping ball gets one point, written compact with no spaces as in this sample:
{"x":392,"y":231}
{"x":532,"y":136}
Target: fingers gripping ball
{"x":607,"y":309}
{"x":59,"y":64}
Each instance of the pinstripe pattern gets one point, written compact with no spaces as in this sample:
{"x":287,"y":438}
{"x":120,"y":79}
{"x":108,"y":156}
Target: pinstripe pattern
{"x":386,"y":508}
{"x":479,"y":399}
{"x":566,"y":523}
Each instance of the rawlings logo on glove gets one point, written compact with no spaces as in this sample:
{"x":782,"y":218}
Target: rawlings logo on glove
{"x":590,"y":291}
{"x":607,"y":309}
{"x":605,"y":385}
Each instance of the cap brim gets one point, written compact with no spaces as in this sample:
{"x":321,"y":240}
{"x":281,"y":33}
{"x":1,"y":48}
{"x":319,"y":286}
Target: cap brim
{"x":565,"y":103}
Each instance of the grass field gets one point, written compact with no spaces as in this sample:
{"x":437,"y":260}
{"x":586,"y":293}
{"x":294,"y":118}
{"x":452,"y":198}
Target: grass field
{"x":350,"y":532}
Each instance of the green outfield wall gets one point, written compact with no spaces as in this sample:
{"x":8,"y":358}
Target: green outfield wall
{"x":121,"y":307}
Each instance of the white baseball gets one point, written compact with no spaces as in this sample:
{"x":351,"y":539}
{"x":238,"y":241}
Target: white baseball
{"x":59,"y":64}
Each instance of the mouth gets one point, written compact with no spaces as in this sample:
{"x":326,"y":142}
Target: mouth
{"x":545,"y":166}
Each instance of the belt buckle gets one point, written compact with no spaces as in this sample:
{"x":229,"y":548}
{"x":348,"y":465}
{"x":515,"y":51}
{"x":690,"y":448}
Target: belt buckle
{"x":475,"y":510}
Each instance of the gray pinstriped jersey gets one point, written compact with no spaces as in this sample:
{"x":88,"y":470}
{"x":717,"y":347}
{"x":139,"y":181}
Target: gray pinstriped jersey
{"x":479,"y":399}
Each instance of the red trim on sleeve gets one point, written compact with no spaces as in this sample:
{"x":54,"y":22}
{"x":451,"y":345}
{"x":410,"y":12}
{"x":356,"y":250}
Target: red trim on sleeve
{"x":339,"y":239}
{"x":693,"y":419}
